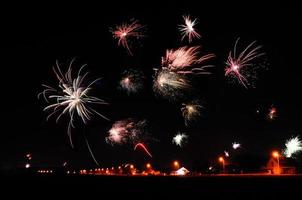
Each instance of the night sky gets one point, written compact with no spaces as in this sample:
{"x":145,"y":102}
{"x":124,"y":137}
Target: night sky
{"x":33,"y":38}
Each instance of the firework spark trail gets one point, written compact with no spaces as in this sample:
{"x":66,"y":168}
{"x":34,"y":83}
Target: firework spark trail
{"x":190,"y":111}
{"x":180,"y":139}
{"x":293,"y":146}
{"x":71,"y":97}
{"x":226,"y":153}
{"x":132,"y":81}
{"x":186,"y":60}
{"x":187,"y":29}
{"x":123,"y":33}
{"x":126,"y":131}
{"x":237,"y":66}
{"x":143,"y":147}
{"x":91,"y":153}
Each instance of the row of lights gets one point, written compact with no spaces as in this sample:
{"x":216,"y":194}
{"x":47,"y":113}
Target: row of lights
{"x":45,"y":171}
{"x":176,"y":165}
{"x":133,"y":171}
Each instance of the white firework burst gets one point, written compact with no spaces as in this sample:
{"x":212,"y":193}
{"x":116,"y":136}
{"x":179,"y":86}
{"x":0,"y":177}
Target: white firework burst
{"x":236,"y":145}
{"x":180,"y":139}
{"x":71,"y":97}
{"x":293,"y":146}
{"x":187,"y":29}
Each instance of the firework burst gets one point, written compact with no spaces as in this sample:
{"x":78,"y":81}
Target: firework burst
{"x":238,"y":66}
{"x":191,"y":111}
{"x":186,"y":60}
{"x":293,"y":146}
{"x":236,"y":145}
{"x":272,"y":114}
{"x":125,"y":32}
{"x":187,"y":29}
{"x":180,"y":139}
{"x":132,"y":81}
{"x":170,"y":84}
{"x":72,"y":97}
{"x":127,"y":131}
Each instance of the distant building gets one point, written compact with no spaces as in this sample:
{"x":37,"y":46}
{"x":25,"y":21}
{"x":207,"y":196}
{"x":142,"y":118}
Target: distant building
{"x":285,"y":166}
{"x":180,"y":172}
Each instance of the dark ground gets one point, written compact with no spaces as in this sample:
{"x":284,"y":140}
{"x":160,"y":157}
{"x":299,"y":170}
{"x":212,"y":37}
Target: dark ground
{"x":241,"y":187}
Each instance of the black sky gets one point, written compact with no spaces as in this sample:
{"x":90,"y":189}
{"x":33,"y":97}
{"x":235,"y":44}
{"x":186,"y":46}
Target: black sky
{"x":33,"y":37}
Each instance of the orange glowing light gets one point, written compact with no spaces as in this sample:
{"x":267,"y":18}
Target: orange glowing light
{"x":176,"y":164}
{"x":220,"y":159}
{"x":148,"y":165}
{"x":275,"y":154}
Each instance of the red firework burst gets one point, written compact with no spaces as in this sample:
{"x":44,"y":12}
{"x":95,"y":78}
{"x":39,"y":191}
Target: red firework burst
{"x":123,"y":33}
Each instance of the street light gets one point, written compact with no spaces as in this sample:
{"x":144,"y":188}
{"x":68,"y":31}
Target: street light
{"x":176,"y":164}
{"x":276,"y":155}
{"x":221,"y":160}
{"x":148,"y":165}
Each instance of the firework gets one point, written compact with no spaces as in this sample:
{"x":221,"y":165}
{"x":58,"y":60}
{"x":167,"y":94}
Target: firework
{"x":72,"y":97}
{"x":123,"y":33}
{"x":293,"y":146}
{"x":187,"y":29}
{"x":226,"y":154}
{"x":132,"y":81}
{"x":238,"y":66}
{"x":272,"y":114}
{"x":236,"y":145}
{"x":180,"y":139}
{"x":186,"y":60}
{"x":170,"y":84}
{"x":190,"y":111}
{"x":127,"y":131}
{"x":141,"y":145}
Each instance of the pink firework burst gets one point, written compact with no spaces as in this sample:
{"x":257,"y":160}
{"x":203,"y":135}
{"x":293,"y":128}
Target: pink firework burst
{"x":237,"y":65}
{"x":132,"y":81}
{"x":186,"y":60}
{"x":123,"y":33}
{"x":127,"y":131}
{"x":187,"y":29}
